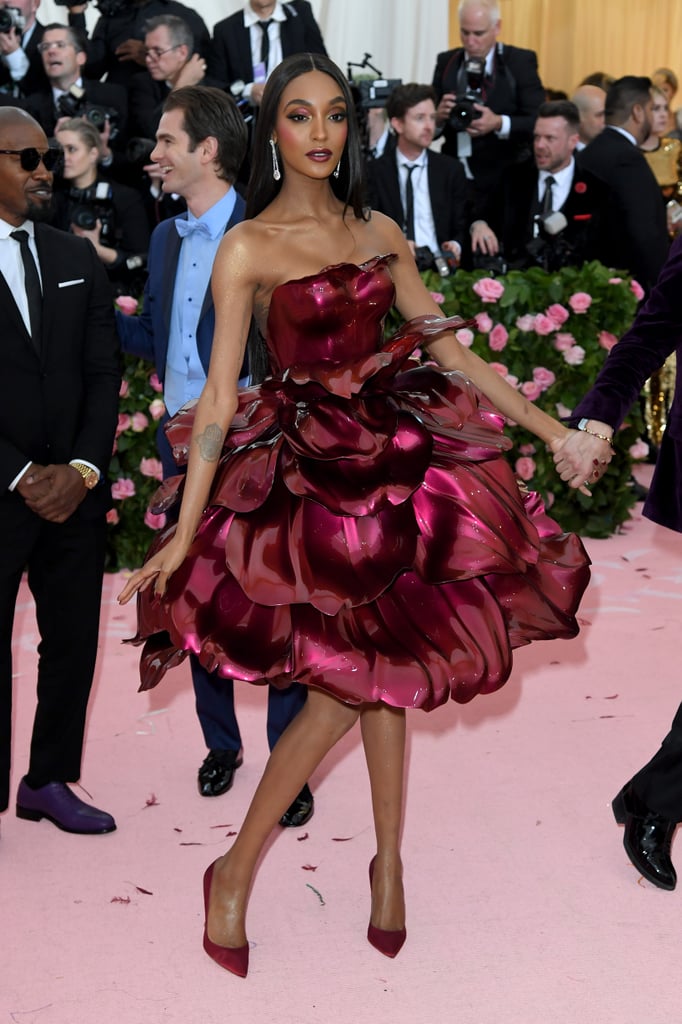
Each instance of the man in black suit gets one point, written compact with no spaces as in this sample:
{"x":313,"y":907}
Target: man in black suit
{"x":171,"y":64}
{"x":506,"y":90}
{"x":548,"y":211}
{"x":57,"y":423}
{"x":67,"y":93}
{"x":432,"y":208}
{"x":633,"y":234}
{"x":250,"y":43}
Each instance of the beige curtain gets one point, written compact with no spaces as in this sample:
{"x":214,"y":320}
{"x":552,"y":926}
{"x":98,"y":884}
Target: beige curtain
{"x":575,"y":37}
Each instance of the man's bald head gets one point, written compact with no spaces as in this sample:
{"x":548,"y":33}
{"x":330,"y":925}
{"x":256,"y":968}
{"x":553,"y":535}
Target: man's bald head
{"x":590,"y":101}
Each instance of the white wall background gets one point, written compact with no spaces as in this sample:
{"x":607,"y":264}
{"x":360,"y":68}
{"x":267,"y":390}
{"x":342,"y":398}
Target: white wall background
{"x":403,"y":36}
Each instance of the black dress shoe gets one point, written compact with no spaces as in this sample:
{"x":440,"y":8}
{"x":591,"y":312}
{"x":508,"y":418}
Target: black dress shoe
{"x":300,"y":811}
{"x":216,"y":774}
{"x":647,"y":838}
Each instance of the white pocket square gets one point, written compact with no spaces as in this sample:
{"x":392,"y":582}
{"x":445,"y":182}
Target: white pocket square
{"x":68,"y":284}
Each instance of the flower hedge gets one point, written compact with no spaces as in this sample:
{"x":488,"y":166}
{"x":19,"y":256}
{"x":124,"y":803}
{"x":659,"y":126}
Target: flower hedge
{"x":548,"y":335}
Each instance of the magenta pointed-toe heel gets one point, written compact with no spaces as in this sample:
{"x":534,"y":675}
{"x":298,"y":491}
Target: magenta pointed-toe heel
{"x":388,"y":943}
{"x":234,"y":959}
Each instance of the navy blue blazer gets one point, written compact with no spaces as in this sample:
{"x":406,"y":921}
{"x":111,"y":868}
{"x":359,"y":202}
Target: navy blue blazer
{"x":146,"y":335}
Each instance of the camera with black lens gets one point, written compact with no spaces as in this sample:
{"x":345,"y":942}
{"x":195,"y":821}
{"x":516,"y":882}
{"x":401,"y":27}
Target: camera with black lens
{"x":496,"y":265}
{"x":75,"y":104}
{"x":110,"y":8}
{"x":89,"y":205}
{"x":550,"y":249}
{"x":464,"y":111}
{"x":11,"y":18}
{"x":442,"y":263}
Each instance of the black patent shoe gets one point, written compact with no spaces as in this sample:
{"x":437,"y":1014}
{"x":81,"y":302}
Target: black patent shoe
{"x":300,"y":811}
{"x":216,"y":774}
{"x":647,"y":838}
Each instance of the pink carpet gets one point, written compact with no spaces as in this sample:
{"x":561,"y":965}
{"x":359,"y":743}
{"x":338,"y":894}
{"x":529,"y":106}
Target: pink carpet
{"x":522,"y":906}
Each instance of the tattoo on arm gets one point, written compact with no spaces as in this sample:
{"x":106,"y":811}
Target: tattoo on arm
{"x":210,"y":443}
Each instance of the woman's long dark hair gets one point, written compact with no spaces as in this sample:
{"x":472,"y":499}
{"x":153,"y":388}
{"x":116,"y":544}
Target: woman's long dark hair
{"x":263,"y":188}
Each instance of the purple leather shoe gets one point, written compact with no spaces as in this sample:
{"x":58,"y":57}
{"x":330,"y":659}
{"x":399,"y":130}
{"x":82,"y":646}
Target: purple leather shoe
{"x":63,"y":808}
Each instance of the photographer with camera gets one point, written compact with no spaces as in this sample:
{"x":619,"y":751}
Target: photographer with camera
{"x":68,"y":94}
{"x":21,"y":69}
{"x":109,"y":214}
{"x":171,"y":64}
{"x":488,"y":96}
{"x":549,"y":212}
{"x":422,"y":191}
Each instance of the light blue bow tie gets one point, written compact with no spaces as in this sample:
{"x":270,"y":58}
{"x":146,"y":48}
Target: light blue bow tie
{"x":192,"y":227}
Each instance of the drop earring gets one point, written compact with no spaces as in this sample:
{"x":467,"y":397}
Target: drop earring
{"x":275,"y":165}
{"x":337,"y":170}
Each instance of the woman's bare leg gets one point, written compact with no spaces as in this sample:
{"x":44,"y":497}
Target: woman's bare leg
{"x":322,"y":721}
{"x":383,"y":737}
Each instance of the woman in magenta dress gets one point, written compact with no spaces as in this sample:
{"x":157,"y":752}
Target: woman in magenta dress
{"x":349,"y":521}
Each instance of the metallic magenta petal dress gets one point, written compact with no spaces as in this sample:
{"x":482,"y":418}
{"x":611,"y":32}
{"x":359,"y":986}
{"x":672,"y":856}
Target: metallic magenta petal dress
{"x":365,"y":534}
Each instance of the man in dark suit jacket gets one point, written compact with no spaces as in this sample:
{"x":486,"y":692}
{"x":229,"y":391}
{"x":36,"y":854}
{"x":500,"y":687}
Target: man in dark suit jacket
{"x":291,"y":28}
{"x":63,"y":55}
{"x":650,"y":804}
{"x":507,"y":99}
{"x":177,"y":337}
{"x":57,"y":422}
{"x":171,"y":64}
{"x":440,"y":207}
{"x":554,"y":229}
{"x":633,"y":232}
{"x":21,"y":67}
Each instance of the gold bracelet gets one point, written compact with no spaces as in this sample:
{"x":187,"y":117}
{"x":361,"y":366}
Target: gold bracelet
{"x":602,"y":437}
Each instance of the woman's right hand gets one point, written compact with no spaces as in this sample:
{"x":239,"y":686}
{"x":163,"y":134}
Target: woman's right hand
{"x":158,"y":570}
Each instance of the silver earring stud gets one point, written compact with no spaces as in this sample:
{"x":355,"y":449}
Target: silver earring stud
{"x":275,"y":165}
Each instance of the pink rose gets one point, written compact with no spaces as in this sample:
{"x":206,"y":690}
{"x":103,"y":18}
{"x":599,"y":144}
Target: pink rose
{"x":615,"y":280}
{"x":465,"y":337}
{"x":499,"y":368}
{"x":574,"y":356}
{"x":525,"y":468}
{"x":155,"y":522}
{"x":543,"y":377}
{"x":543,"y":325}
{"x":139,"y":422}
{"x":527,"y":449}
{"x":607,"y":340}
{"x":531,"y":390}
{"x":127,"y":304}
{"x":513,"y":382}
{"x":498,"y":338}
{"x":637,"y":290}
{"x":151,"y":467}
{"x":488,"y":289}
{"x":526,"y":323}
{"x":639,"y":450}
{"x":122,"y":488}
{"x":580,"y":302}
{"x":157,"y":408}
{"x":155,"y":383}
{"x":112,"y":516}
{"x":563,"y":341}
{"x":123,"y":423}
{"x":483,"y":322}
{"x":124,"y":388}
{"x":558,"y":314}
{"x":562,"y":411}
{"x":438,"y":297}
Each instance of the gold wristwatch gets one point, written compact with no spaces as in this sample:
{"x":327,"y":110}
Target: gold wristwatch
{"x":90,"y":477}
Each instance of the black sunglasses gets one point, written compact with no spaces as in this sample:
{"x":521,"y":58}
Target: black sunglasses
{"x":31,"y":157}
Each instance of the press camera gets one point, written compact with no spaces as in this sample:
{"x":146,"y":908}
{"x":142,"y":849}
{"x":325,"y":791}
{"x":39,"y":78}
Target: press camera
{"x":11,"y":18}
{"x":464,"y":110}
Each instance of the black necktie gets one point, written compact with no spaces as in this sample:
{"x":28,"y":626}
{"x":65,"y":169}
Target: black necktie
{"x":265,"y":43}
{"x":546,"y":206}
{"x":409,"y":203}
{"x":34,"y":292}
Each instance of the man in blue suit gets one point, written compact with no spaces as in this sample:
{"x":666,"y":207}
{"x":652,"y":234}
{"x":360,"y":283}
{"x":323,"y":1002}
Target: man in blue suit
{"x":200,"y":145}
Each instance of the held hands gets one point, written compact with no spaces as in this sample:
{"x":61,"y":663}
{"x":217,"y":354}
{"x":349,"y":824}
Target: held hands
{"x":581,"y":458}
{"x":52,"y":492}
{"x":158,"y":570}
